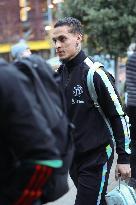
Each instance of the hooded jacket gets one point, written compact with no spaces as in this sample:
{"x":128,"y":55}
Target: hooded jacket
{"x":24,"y":134}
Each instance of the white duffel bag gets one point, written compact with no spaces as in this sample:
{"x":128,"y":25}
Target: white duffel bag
{"x":121,"y":195}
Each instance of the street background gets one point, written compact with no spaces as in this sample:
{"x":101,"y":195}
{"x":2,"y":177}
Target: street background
{"x":110,"y":39}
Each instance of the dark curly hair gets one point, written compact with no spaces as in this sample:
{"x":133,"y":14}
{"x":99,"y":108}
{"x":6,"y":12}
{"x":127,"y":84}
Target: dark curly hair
{"x":73,"y":23}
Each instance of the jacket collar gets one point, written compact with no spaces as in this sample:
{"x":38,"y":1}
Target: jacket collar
{"x":80,"y":57}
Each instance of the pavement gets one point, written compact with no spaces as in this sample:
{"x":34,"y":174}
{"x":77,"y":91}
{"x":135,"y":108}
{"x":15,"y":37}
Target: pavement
{"x":69,"y":198}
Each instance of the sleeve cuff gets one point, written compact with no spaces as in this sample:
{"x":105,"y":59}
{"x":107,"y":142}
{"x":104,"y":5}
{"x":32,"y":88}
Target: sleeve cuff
{"x":123,"y":159}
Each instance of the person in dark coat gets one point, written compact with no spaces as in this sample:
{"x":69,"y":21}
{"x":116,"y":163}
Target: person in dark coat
{"x":131,"y":107}
{"x":92,"y":138}
{"x":25,"y":139}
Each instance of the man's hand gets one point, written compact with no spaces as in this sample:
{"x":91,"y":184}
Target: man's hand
{"x":122,"y":170}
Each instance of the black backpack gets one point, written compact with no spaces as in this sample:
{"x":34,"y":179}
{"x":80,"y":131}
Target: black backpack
{"x":49,"y":99}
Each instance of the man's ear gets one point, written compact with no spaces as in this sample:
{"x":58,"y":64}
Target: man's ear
{"x":79,"y":37}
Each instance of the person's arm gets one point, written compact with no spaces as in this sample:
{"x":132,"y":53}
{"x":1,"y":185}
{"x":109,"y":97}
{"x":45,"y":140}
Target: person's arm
{"x":110,"y":103}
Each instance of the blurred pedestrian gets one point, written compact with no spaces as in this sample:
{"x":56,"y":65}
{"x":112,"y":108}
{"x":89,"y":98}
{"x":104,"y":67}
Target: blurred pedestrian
{"x":131,"y":107}
{"x":27,"y":148}
{"x":20,"y":50}
{"x":93,"y":141}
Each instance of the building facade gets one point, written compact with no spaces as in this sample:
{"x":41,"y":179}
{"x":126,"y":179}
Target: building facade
{"x":9,"y":21}
{"x":24,"y":19}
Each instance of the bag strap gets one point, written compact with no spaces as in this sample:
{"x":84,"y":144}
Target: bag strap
{"x":91,"y":88}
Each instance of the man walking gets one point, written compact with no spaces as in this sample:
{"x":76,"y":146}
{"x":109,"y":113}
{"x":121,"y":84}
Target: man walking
{"x":93,"y":141}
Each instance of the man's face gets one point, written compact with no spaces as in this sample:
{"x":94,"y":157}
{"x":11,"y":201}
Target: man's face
{"x":67,"y":44}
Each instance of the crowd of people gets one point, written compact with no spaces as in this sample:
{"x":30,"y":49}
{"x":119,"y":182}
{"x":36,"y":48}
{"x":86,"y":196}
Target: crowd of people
{"x":28,"y":151}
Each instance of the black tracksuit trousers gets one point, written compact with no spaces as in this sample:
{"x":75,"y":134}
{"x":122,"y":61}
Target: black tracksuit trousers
{"x":90,"y":172}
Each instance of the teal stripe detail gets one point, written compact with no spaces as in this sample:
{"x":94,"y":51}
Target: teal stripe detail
{"x":50,"y":163}
{"x":111,"y":90}
{"x":127,"y":134}
{"x":102,"y":182}
{"x":109,"y":151}
{"x":104,"y":172}
{"x":118,"y":107}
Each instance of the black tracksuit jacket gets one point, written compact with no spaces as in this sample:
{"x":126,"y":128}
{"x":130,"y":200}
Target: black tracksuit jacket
{"x":91,"y":132}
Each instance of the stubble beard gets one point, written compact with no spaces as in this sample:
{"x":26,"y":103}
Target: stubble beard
{"x":78,"y":49}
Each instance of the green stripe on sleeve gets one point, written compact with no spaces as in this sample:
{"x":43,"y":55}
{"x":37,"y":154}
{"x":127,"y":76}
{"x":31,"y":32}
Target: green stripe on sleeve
{"x":50,"y":163}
